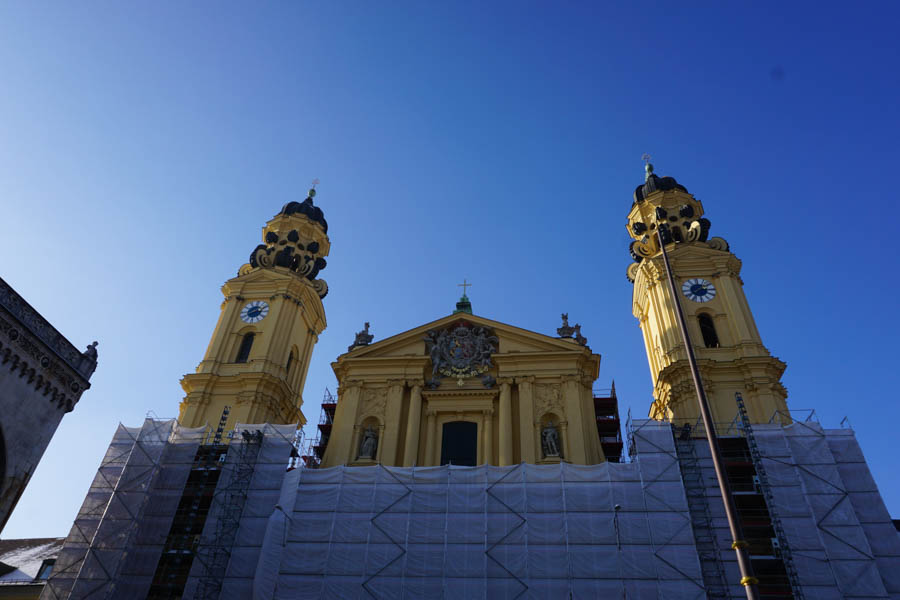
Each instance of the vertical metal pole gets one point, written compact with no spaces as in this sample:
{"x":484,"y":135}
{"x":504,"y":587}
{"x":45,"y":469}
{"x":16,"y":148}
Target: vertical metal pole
{"x":738,"y":543}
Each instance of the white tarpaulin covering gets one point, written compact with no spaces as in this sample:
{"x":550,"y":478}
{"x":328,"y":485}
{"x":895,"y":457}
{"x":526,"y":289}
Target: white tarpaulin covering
{"x":527,"y":531}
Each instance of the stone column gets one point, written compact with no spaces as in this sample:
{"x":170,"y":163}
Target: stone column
{"x":526,"y":418}
{"x":391,"y":437}
{"x":488,"y":438}
{"x":411,"y":451}
{"x":341,"y":448}
{"x":430,"y":436}
{"x":576,"y":451}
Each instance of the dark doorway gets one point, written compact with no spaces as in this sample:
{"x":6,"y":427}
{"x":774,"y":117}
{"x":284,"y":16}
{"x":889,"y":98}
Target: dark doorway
{"x":459,"y":443}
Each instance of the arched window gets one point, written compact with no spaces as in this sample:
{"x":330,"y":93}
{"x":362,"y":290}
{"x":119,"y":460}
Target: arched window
{"x":708,"y":330}
{"x":244,"y":351}
{"x":289,"y":362}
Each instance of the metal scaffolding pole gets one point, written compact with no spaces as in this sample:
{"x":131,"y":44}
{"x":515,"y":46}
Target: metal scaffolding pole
{"x":738,"y":543}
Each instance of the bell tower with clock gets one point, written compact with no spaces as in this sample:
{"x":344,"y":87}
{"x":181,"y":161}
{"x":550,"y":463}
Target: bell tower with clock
{"x":729,"y":350}
{"x":272,"y":315}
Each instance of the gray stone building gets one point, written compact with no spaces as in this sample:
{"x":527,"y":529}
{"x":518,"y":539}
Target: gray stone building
{"x":42,"y":376}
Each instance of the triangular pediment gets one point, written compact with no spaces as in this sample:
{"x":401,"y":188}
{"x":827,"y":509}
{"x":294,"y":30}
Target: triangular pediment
{"x":511,"y":340}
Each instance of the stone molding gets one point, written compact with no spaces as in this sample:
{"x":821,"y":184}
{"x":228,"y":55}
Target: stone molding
{"x":39,"y":327}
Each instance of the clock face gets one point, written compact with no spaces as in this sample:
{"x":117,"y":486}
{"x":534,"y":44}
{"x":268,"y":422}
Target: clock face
{"x":698,"y":290}
{"x":254,"y":312}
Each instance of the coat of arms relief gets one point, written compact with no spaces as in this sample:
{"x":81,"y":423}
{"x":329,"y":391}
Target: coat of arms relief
{"x":461,"y":350}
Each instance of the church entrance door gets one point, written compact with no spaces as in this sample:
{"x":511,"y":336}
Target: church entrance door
{"x":459,"y":443}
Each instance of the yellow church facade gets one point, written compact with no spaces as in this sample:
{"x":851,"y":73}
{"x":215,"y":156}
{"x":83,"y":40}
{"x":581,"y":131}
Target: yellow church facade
{"x":465,"y":390}
{"x":468,"y":390}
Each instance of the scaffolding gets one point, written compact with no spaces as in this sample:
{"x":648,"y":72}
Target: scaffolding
{"x":696,"y":490}
{"x":145,"y":516}
{"x":315,"y":450}
{"x":781,"y":544}
{"x":621,"y":530}
{"x":120,"y":519}
{"x":215,"y":556}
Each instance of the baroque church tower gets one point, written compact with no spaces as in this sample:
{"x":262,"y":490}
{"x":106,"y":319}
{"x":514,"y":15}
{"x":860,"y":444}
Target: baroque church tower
{"x":258,"y":357}
{"x":729,"y":350}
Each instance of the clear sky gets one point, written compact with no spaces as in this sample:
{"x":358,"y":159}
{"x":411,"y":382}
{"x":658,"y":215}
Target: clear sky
{"x":145,"y":145}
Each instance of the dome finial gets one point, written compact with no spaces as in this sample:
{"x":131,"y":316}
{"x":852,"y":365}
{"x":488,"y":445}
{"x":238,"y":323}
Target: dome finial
{"x":464,"y":305}
{"x":648,"y":166}
{"x":312,"y":190}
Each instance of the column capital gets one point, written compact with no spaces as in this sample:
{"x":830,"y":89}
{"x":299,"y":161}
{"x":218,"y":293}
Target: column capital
{"x":430,"y":412}
{"x":505,"y":380}
{"x":416,"y":383}
{"x":525,"y":379}
{"x":396,"y":382}
{"x":488,"y":412}
{"x":350,"y":384}
{"x":569,"y":378}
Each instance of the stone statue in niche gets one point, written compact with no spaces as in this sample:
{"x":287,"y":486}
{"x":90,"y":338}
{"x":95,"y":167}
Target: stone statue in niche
{"x":550,"y":440}
{"x":369,"y":444}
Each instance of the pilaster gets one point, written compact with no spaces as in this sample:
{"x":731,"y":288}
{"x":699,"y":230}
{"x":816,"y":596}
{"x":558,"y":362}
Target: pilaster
{"x":344,"y":432}
{"x":411,"y":451}
{"x":388,"y":442}
{"x":505,"y":429}
{"x":526,"y":418}
{"x":574,"y":441}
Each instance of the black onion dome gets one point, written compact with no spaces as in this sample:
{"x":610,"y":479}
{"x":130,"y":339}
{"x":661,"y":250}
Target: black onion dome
{"x":654,"y":183}
{"x":308,"y":209}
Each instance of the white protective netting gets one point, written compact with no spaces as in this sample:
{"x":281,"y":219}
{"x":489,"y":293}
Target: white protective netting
{"x":117,"y":537}
{"x":842,"y":540}
{"x":263,"y":490}
{"x":527,"y":531}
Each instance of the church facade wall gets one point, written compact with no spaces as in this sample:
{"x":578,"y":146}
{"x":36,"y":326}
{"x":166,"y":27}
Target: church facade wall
{"x":392,"y":391}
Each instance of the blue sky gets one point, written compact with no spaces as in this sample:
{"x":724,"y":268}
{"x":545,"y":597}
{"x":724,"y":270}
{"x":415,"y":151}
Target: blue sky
{"x":144,"y":146}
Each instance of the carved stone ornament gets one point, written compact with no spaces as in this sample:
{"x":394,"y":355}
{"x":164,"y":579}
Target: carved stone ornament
{"x":363,"y":338}
{"x":374,"y":401}
{"x":45,"y":332}
{"x":462,"y":350}
{"x":292,"y":251}
{"x":578,"y":337}
{"x":565,"y":331}
{"x":547,"y":398}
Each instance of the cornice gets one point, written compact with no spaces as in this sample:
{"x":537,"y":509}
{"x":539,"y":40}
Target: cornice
{"x":31,"y":320}
{"x":23,"y":355}
{"x":464,"y":393}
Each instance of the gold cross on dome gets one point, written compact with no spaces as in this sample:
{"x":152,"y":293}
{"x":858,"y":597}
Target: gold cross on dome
{"x":464,"y":285}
